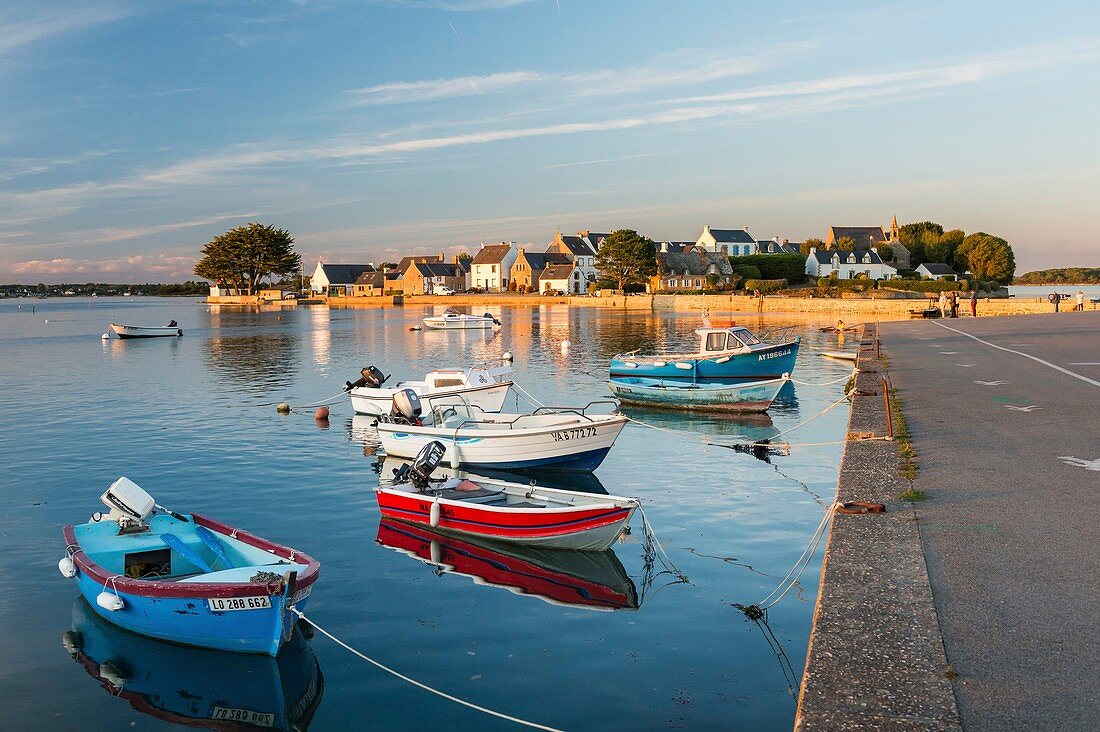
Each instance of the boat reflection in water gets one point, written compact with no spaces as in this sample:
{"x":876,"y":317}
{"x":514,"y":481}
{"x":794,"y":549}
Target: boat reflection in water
{"x":747,"y":433}
{"x":588,"y":580}
{"x":199,"y":687}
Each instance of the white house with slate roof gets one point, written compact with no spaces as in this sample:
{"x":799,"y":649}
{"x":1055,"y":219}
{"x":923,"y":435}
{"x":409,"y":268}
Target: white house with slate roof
{"x":732,"y":242}
{"x":337,"y":280}
{"x":491,"y":267}
{"x":581,"y":249}
{"x":848,"y":265}
{"x":937,"y":271}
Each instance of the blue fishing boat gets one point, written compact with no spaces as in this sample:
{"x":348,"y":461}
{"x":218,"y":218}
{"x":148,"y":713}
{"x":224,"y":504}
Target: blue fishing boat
{"x":186,"y":578}
{"x":198,"y":687}
{"x":745,"y":396}
{"x":730,"y":354}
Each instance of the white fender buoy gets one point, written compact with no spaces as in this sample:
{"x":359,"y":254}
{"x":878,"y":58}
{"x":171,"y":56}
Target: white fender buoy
{"x":109,"y":601}
{"x":437,"y":553}
{"x":565,"y":345}
{"x":283,"y":408}
{"x":434,"y":514}
{"x":110,"y":673}
{"x":105,"y":337}
{"x":456,"y":459}
{"x":507,"y":356}
{"x":67,"y":567}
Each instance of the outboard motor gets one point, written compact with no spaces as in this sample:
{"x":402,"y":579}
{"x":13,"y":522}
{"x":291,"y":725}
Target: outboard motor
{"x":490,"y":317}
{"x":129,"y":505}
{"x":427,"y":460}
{"x":370,"y":377}
{"x":406,"y":407}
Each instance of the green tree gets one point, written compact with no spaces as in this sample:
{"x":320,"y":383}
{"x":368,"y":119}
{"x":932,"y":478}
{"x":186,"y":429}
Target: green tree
{"x":804,"y":247}
{"x":885,"y":252}
{"x":627,"y":258}
{"x":988,"y":257}
{"x":245,"y":255}
{"x":845,"y":244}
{"x":912,"y":236}
{"x":942,"y":248}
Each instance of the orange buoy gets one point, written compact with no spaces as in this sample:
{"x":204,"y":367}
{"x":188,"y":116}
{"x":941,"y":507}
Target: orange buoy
{"x":321,"y":413}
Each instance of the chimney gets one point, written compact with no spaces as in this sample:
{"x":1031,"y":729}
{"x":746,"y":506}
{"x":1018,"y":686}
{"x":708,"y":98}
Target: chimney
{"x":456,"y":259}
{"x":521,"y":251}
{"x":441,"y":257}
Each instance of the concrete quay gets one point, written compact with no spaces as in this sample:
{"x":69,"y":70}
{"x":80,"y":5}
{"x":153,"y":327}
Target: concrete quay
{"x":1006,"y":425}
{"x":876,"y":659}
{"x":975,"y":608}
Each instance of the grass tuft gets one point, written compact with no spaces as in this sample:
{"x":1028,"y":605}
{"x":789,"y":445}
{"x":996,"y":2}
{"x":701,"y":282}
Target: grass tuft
{"x":912,"y":495}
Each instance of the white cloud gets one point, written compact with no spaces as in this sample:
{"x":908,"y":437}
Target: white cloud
{"x":418,"y":91}
{"x":457,"y":6}
{"x":54,"y":19}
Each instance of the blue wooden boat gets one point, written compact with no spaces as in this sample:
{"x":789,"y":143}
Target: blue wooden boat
{"x":745,"y":396}
{"x":729,"y":354}
{"x":198,"y":687}
{"x":186,"y":578}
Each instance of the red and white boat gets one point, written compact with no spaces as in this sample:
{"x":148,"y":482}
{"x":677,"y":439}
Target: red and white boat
{"x":503,"y":511}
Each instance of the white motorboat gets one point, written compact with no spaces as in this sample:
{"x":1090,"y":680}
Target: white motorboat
{"x":554,"y":438}
{"x":482,"y":387}
{"x":451,"y":319}
{"x":147,"y":331}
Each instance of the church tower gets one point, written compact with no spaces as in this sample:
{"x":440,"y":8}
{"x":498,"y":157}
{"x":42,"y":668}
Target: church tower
{"x":895,"y":231}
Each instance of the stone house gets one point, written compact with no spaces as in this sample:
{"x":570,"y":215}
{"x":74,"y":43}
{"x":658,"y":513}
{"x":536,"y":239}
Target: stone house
{"x":491,"y":267}
{"x":869,"y":237}
{"x":691,"y":268}
{"x":422,"y":278}
{"x":371,"y":284}
{"x":581,"y":250}
{"x":529,"y":266}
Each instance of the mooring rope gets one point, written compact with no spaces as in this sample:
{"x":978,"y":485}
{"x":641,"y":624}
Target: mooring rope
{"x":826,"y":383}
{"x":414,"y":682}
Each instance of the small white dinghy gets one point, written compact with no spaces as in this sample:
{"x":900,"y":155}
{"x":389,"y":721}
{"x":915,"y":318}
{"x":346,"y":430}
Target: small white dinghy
{"x":483,"y":387}
{"x":840,"y":355}
{"x":551,"y":438}
{"x":172,"y":330}
{"x":451,"y":319}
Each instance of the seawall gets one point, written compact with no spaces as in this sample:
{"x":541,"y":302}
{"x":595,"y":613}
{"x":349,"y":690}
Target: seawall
{"x":876,"y":657}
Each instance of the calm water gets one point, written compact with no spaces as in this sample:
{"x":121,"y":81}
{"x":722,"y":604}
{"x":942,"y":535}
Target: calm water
{"x":192,"y":420}
{"x":1042,"y":291}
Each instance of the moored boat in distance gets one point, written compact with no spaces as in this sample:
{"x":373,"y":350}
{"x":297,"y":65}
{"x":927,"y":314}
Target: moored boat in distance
{"x":840,"y":355}
{"x":171,"y":330}
{"x":186,"y":578}
{"x":483,"y":387}
{"x":732,"y":353}
{"x":552,"y":438}
{"x":451,"y":319}
{"x":748,"y":396}
{"x":503,"y":511}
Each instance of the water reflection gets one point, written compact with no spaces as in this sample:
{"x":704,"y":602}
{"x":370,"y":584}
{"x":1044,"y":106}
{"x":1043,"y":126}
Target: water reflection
{"x":195,"y":686}
{"x":587,"y":580}
{"x":266,"y":360}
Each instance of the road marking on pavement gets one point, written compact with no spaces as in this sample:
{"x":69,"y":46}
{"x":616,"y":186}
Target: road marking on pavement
{"x":1078,"y":462}
{"x":950,"y":353}
{"x":990,"y":383}
{"x":965,"y":365}
{"x":1075,"y":375}
{"x":1085,"y":363}
{"x":1028,"y":408}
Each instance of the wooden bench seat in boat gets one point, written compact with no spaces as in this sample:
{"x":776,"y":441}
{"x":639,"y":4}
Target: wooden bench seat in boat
{"x":243,"y":574}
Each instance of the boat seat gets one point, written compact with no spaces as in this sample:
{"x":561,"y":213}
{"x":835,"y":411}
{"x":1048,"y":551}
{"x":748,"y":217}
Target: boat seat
{"x":454,"y":420}
{"x":241,"y":575}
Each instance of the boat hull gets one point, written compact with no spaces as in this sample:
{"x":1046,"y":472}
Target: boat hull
{"x":764,"y":363}
{"x":377,"y":402}
{"x":755,"y":396}
{"x":592,"y":527}
{"x":576,"y":446}
{"x":181,"y":612}
{"x":140,"y":331}
{"x":442,"y":323}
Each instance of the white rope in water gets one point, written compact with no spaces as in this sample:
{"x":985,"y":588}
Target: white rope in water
{"x":826,"y":383}
{"x":416,"y":683}
{"x":651,"y":534}
{"x":811,"y":419}
{"x":800,"y":565}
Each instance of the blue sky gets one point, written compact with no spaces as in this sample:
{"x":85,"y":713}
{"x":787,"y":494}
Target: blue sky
{"x":133,"y":132}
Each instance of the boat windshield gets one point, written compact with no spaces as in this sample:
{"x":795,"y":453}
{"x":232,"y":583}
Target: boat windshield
{"x":745,"y":337}
{"x":716,"y":342}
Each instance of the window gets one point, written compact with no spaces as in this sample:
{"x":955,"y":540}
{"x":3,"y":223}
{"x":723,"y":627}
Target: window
{"x":716,"y":341}
{"x":733,"y":343}
{"x":746,"y":337}
{"x":698,"y":283}
{"x":494,"y":269}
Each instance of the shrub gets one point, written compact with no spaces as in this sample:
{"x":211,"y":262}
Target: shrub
{"x":748,"y":271}
{"x":790,"y":267}
{"x":766,"y":286}
{"x":924,"y":285}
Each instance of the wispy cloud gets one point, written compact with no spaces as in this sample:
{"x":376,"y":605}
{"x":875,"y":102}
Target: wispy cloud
{"x":55,"y":19}
{"x":457,"y":6}
{"x":598,"y":161}
{"x":419,"y":91}
{"x":146,"y":265}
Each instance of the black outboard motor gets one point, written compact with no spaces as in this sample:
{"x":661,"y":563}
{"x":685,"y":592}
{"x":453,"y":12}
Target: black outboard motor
{"x":427,"y":460}
{"x":406,"y":408}
{"x":370,"y":377}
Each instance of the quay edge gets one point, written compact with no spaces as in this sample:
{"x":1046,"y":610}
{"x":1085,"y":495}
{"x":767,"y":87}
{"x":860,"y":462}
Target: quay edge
{"x":876,"y":655}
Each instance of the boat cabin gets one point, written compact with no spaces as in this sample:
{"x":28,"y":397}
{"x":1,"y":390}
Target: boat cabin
{"x":724,"y":340}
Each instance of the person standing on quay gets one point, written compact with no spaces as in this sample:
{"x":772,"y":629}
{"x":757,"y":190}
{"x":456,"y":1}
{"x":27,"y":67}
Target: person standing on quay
{"x":954,"y":304}
{"x":973,"y":303}
{"x":1080,"y":300}
{"x":943,"y":304}
{"x":1055,"y":298}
